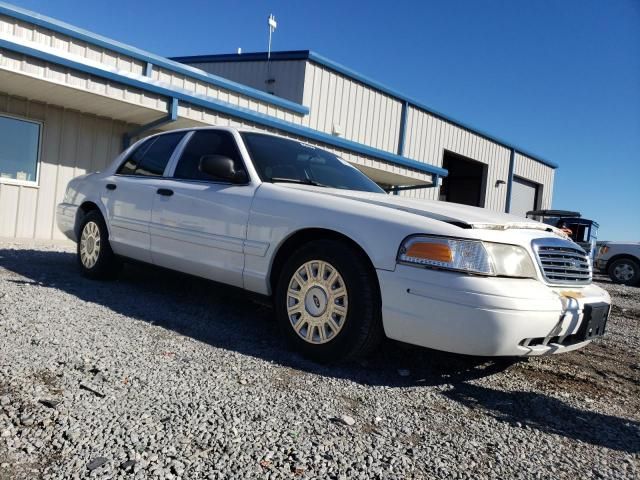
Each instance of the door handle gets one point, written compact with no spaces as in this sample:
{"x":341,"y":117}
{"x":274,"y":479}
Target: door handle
{"x":111,"y":186}
{"x":165,"y":192}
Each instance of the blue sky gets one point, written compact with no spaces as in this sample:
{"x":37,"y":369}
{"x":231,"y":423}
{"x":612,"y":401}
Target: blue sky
{"x":558,"y":78}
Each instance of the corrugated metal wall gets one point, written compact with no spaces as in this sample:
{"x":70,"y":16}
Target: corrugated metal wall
{"x":363,"y":114}
{"x":72,"y":143}
{"x":38,"y":37}
{"x":537,"y":172}
{"x":46,"y":38}
{"x":288,"y":75}
{"x":102,"y":94}
{"x":427,"y":137}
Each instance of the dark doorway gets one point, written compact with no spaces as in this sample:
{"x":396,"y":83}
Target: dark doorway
{"x":465,"y":182}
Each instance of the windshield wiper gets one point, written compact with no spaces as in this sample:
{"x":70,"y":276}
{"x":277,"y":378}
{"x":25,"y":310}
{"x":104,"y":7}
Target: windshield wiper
{"x":302,"y":181}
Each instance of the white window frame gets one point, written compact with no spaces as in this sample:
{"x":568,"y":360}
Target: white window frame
{"x":27,"y":183}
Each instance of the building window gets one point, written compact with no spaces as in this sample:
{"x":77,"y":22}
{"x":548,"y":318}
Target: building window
{"x":19,"y":149}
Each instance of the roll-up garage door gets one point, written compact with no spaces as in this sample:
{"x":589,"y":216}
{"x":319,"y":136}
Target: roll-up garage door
{"x":524,"y":196}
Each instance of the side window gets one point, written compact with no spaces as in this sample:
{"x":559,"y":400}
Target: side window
{"x":132,"y":161}
{"x":152,"y":156}
{"x":206,"y":142}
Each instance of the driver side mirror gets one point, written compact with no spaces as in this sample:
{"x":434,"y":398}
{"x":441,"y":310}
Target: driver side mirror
{"x":221,"y":167}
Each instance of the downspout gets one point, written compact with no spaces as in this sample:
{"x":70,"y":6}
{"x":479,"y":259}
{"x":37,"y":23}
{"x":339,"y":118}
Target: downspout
{"x":512,"y":162}
{"x":403,"y":126}
{"x":172,"y":116}
{"x":402,"y":135}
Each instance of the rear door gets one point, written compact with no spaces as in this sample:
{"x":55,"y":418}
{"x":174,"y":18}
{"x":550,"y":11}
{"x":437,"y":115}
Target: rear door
{"x":128,"y":195}
{"x":199,"y":223}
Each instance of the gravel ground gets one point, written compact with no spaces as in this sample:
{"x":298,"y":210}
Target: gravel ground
{"x":159,"y":375}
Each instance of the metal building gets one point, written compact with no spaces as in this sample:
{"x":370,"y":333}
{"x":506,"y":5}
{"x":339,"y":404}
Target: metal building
{"x":70,"y":100}
{"x":483,"y":169}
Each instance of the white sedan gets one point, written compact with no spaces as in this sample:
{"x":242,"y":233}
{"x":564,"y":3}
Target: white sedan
{"x":344,"y":262}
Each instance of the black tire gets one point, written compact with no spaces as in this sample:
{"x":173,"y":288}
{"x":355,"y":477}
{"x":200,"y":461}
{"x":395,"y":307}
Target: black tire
{"x":106,"y":265}
{"x":361,"y":328}
{"x":624,"y":270}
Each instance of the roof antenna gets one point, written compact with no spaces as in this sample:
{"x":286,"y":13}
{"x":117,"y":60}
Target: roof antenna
{"x":271,"y":21}
{"x":272,"y":28}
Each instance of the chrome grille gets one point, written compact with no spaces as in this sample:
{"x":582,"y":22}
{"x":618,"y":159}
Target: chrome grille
{"x":562,"y":262}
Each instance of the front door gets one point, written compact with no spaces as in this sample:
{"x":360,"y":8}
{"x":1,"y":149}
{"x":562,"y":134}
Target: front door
{"x":199,"y":223}
{"x":128,"y":195}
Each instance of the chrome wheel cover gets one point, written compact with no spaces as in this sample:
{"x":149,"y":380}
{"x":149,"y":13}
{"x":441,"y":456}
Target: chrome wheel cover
{"x":317,"y":302}
{"x":624,"y":272}
{"x":90,"y":244}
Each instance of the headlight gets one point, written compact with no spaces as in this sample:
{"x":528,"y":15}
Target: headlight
{"x":471,"y":256}
{"x":510,"y":260}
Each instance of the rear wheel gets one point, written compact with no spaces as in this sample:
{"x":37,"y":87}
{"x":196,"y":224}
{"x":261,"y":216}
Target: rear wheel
{"x":328,"y":302}
{"x":625,"y":270}
{"x":94,"y":254}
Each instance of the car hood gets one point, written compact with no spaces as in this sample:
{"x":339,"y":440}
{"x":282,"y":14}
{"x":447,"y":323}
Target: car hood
{"x":453,"y":213}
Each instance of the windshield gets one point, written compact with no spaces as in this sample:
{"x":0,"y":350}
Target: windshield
{"x":281,"y":160}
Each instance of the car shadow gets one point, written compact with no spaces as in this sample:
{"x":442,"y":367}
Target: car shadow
{"x":550,"y":415}
{"x":228,"y":318}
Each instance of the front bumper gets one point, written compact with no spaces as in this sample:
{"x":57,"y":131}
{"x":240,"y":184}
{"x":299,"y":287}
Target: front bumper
{"x":66,"y":219}
{"x":484,"y":316}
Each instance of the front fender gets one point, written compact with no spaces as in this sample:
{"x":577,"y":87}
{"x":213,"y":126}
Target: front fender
{"x":278,"y":212}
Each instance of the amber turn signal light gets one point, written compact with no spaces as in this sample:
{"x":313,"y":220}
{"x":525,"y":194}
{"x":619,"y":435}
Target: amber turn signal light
{"x":438,"y":252}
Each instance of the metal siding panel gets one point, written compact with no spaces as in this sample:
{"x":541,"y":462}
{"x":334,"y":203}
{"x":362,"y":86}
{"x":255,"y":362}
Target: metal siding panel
{"x":9,"y":202}
{"x":375,"y":119}
{"x":50,"y":158}
{"x":430,"y":155}
{"x":315,"y":103}
{"x":329,"y":101}
{"x":393,"y":119}
{"x":357,"y":114}
{"x":414,"y":135}
{"x":25,"y":222}
{"x":307,"y":89}
{"x":409,"y":135}
{"x":383,"y":133}
{"x":289,"y":76}
{"x":438,"y":145}
{"x":416,"y":131}
{"x":366,"y":127}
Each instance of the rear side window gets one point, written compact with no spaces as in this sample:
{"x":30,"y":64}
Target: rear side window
{"x":206,"y":142}
{"x":152,"y":156}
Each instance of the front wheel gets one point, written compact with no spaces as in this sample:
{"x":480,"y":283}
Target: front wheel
{"x":625,"y":271}
{"x":95,"y":257}
{"x":328,"y":302}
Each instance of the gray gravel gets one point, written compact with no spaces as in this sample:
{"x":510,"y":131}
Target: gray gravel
{"x":158,"y":375}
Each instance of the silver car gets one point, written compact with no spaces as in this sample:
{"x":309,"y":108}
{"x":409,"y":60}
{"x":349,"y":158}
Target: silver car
{"x":621,"y":261}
